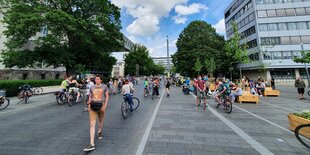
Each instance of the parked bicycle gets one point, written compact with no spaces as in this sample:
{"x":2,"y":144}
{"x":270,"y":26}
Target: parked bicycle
{"x":304,"y":128}
{"x":25,"y":93}
{"x":4,"y":101}
{"x":125,"y":107}
{"x":226,"y":104}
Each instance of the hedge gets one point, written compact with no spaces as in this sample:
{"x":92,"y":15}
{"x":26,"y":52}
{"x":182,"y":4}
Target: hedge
{"x":11,"y":86}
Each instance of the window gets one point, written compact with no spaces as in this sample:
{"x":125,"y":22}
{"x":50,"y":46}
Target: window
{"x":268,"y":1}
{"x":246,"y":20}
{"x":276,"y":55}
{"x":295,"y":40}
{"x":280,"y":12}
{"x":267,"y":56}
{"x":251,"y":17}
{"x":291,"y":26}
{"x":272,"y":27}
{"x":287,"y":55}
{"x":300,"y":11}
{"x":25,"y":76}
{"x":57,"y":76}
{"x":263,"y":27}
{"x":271,"y":13}
{"x":285,"y":40}
{"x":290,"y":12}
{"x":275,"y":41}
{"x":305,"y":39}
{"x":256,"y":56}
{"x":297,"y":54}
{"x":261,"y":14}
{"x":302,"y":25}
{"x":308,"y":11}
{"x":265,"y":41}
{"x":278,"y":1}
{"x":282,"y":26}
{"x":42,"y":76}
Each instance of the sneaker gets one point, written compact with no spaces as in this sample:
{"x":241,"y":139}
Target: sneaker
{"x":196,"y":106}
{"x":99,"y":135}
{"x":261,"y":95}
{"x":85,"y":109}
{"x":89,"y":147}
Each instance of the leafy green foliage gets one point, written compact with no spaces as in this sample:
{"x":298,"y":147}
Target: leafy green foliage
{"x":305,"y":57}
{"x":211,"y":65}
{"x":198,"y":66}
{"x":198,"y":40}
{"x":305,"y":114}
{"x":80,"y":34}
{"x":11,"y":86}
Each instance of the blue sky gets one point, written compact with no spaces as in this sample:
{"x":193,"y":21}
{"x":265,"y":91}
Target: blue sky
{"x":149,"y":21}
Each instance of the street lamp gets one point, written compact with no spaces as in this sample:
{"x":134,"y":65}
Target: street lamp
{"x":306,"y":66}
{"x":168,"y":60}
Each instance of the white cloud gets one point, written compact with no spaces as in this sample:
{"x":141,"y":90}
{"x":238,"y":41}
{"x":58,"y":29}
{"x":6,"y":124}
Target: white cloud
{"x":147,"y":14}
{"x":180,"y":19}
{"x":191,"y":9}
{"x":220,"y":27}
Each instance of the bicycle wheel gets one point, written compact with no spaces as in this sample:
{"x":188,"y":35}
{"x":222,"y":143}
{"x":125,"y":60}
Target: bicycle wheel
{"x":228,"y":107}
{"x":71,"y":100}
{"x":60,"y":99}
{"x":302,"y":130}
{"x":135,"y":103}
{"x":35,"y":91}
{"x":125,"y":109}
{"x":39,"y":90}
{"x":4,"y":103}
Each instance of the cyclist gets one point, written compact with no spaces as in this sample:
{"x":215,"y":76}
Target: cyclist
{"x":127,"y":90}
{"x":63,"y":86}
{"x":146,"y":86}
{"x":98,"y":101}
{"x":224,"y":92}
{"x":73,"y":84}
{"x":201,"y":88}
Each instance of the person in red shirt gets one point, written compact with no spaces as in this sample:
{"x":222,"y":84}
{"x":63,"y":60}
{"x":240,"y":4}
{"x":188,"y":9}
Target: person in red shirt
{"x":201,"y":88}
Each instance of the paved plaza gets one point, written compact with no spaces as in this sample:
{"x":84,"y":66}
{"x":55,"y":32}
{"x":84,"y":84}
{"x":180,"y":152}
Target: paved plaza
{"x":162,"y":126}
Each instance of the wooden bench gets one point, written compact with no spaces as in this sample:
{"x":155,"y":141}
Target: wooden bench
{"x":270,"y":92}
{"x":247,"y":97}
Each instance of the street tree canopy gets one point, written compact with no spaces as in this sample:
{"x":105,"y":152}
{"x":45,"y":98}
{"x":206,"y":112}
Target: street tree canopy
{"x":198,"y":40}
{"x":77,"y":33}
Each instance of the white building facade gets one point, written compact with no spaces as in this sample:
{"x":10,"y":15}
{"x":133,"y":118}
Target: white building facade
{"x":118,"y":69}
{"x":275,"y":31}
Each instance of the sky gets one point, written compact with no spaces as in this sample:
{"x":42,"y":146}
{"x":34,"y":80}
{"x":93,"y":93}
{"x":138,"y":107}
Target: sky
{"x":149,"y":22}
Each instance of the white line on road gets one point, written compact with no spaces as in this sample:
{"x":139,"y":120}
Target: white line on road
{"x":2,"y":113}
{"x":280,"y":107}
{"x":149,"y":127}
{"x":257,"y":146}
{"x":35,"y":97}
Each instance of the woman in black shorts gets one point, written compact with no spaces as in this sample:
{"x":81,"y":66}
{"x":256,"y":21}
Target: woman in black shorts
{"x":300,"y":85}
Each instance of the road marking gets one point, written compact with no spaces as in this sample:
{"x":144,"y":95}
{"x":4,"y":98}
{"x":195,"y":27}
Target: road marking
{"x":149,"y":127}
{"x":2,"y":113}
{"x":256,"y":145}
{"x":280,"y":107}
{"x":32,"y":97}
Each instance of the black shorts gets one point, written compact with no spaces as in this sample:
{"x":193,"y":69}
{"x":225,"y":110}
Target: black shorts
{"x":301,"y":90}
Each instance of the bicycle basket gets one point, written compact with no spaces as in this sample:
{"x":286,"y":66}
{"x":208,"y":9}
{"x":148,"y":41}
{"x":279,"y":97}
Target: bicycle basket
{"x":2,"y":93}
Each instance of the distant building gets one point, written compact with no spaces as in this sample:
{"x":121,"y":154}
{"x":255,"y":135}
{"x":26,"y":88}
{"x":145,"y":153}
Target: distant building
{"x":274,"y":31}
{"x":162,"y":61}
{"x":118,"y":69}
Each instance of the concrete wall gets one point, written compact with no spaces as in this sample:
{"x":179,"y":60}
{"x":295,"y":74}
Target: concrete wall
{"x":12,"y":74}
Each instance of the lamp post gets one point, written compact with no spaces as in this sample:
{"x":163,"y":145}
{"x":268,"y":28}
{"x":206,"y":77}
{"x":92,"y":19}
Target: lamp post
{"x":168,"y":60}
{"x":306,"y":66}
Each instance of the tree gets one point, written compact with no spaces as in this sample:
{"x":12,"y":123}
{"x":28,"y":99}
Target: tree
{"x":78,"y":34}
{"x":138,"y":56}
{"x":210,"y":65}
{"x":305,"y":57}
{"x":198,"y":40}
{"x":235,"y":52}
{"x":198,"y":66}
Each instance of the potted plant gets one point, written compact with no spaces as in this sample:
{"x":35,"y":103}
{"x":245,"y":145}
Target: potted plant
{"x":296,"y":119}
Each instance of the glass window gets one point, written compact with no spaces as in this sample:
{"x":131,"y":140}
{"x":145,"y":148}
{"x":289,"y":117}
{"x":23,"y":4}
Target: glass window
{"x":267,"y":56}
{"x":305,"y":39}
{"x":276,"y":55}
{"x":271,"y":13}
{"x":290,"y":12}
{"x":285,"y":40}
{"x":261,"y":14}
{"x":295,"y":40}
{"x":302,"y":25}
{"x":278,"y":1}
{"x":297,"y":54}
{"x":256,"y":56}
{"x":308,"y":25}
{"x":268,"y":1}
{"x":300,"y":11}
{"x":308,"y":11}
{"x":286,"y":1}
{"x":291,"y":26}
{"x":246,"y":20}
{"x":265,"y":41}
{"x":275,"y":41}
{"x":282,"y":26}
{"x":272,"y":27}
{"x":287,"y":55}
{"x":263,"y":27}
{"x":251,"y":17}
{"x":280,"y":12}
{"x":259,"y":1}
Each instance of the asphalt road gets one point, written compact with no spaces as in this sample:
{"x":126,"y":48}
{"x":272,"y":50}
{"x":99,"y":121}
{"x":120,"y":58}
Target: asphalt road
{"x":43,"y":127}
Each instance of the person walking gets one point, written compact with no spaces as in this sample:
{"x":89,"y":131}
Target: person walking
{"x":90,"y":84}
{"x":272,"y":83}
{"x":300,"y":85}
{"x":98,"y":101}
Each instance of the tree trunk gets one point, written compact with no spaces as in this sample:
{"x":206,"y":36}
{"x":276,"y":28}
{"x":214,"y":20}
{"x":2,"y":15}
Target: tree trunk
{"x":240,"y":74}
{"x":230,"y":75}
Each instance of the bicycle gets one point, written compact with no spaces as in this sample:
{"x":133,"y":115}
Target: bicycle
{"x":302,"y":129}
{"x":37,"y":90}
{"x":25,"y":93}
{"x":125,"y":107}
{"x":4,"y":101}
{"x":72,"y":96}
{"x":61,"y":97}
{"x":201,"y":99}
{"x":154,"y":92}
{"x":225,"y":102}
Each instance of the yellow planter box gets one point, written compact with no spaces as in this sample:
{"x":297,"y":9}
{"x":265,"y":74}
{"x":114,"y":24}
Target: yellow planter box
{"x":295,"y":121}
{"x":270,"y":92}
{"x":248,"y":97}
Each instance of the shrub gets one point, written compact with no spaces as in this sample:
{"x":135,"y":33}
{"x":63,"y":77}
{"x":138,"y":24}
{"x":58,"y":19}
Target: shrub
{"x":11,"y":86}
{"x":304,"y":114}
